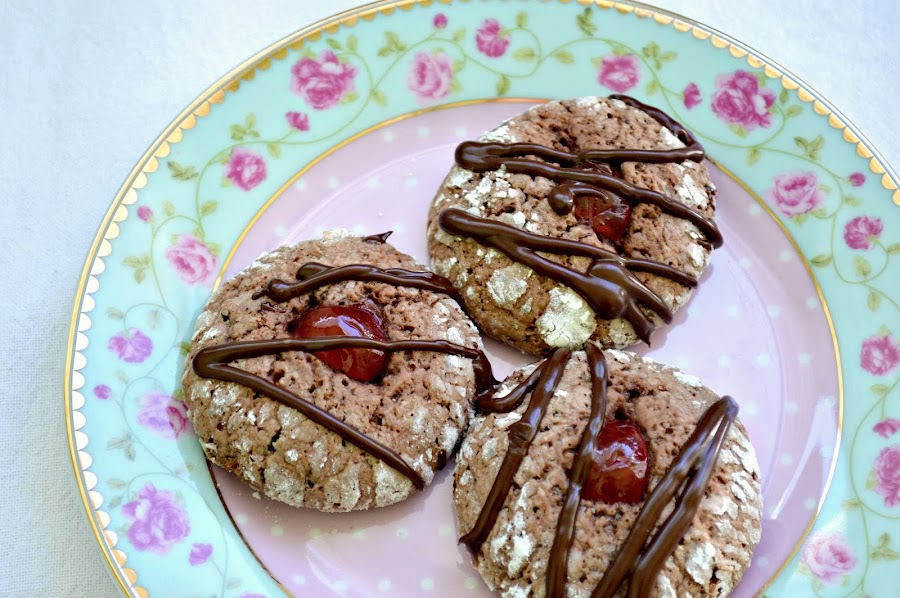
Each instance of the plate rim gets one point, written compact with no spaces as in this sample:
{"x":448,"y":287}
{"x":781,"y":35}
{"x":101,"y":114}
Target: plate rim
{"x":108,"y":230}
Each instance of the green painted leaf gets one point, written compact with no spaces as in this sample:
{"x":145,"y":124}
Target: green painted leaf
{"x":850,"y":504}
{"x":455,"y":85}
{"x":208,"y":207}
{"x":852,"y":200}
{"x":879,"y":390}
{"x":502,"y":85}
{"x":870,"y":481}
{"x":232,"y":583}
{"x":115,"y":314}
{"x":651,"y":50}
{"x":738,"y":130}
{"x":237,"y":132}
{"x":883,"y":330}
{"x":526,"y":54}
{"x":197,"y":232}
{"x":597,"y":62}
{"x":250,"y":121}
{"x":214,"y":248}
{"x":564,"y":56}
{"x":783,"y":96}
{"x":379,"y":98}
{"x":821,"y":260}
{"x":349,"y":97}
{"x":893,"y":249}
{"x":652,"y":87}
{"x":119,"y":442}
{"x":883,"y":551}
{"x":753,"y":155}
{"x":140,"y":274}
{"x":873,"y":301}
{"x":522,"y":19}
{"x":802,"y":143}
{"x":459,"y":35}
{"x":274,"y":150}
{"x":226,"y":182}
{"x":620,"y":50}
{"x":385,"y":51}
{"x":820,"y":212}
{"x":799,"y":219}
{"x":122,"y":377}
{"x":136,"y":261}
{"x":130,"y":454}
{"x":458,"y":65}
{"x":333,"y":43}
{"x":393,"y":41}
{"x":793,"y":111}
{"x":116,"y":483}
{"x":184,"y":347}
{"x":352,"y":43}
{"x":181,"y":173}
{"x":585,"y":22}
{"x":862,"y":266}
{"x":668,"y":56}
{"x":115,"y":502}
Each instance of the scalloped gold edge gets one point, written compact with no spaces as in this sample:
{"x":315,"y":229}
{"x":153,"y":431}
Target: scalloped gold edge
{"x":92,"y":500}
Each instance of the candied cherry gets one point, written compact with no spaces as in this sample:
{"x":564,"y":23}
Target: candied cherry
{"x":608,"y":213}
{"x":620,"y":471}
{"x":344,"y":320}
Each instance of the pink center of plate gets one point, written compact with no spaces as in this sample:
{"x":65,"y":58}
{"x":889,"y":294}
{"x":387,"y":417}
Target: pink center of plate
{"x":755,"y":329}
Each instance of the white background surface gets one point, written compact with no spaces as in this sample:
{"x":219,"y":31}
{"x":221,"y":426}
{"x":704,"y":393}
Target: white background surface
{"x":86,"y":87}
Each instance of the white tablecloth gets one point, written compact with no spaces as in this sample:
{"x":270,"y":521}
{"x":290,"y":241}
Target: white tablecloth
{"x":87,"y":86}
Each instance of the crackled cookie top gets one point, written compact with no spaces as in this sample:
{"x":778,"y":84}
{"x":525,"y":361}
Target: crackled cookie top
{"x":615,"y":178}
{"x":551,"y":526}
{"x":316,"y":422}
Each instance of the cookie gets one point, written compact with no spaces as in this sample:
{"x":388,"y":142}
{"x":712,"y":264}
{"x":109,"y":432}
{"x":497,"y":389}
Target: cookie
{"x":554,"y":240}
{"x":359,"y":419}
{"x":542,"y":520}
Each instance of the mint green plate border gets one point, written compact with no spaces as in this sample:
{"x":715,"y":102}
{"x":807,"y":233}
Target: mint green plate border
{"x":140,"y":472}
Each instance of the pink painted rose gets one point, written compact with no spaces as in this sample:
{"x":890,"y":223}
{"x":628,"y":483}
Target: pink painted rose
{"x":691,"y":95}
{"x":245,"y":168}
{"x":163,"y":415}
{"x":887,"y":427}
{"x":860,"y":232}
{"x":490,"y":39}
{"x":157,"y":521}
{"x":131,"y":346}
{"x":739,"y":100}
{"x":323,"y":83}
{"x":145,"y":213}
{"x":619,"y":73}
{"x":297,"y":120}
{"x":440,"y":21}
{"x":857,"y":179}
{"x":192,"y":260}
{"x":430,"y":76}
{"x":887,"y":475}
{"x":796,"y":192}
{"x":828,"y":556}
{"x":102,"y":391}
{"x":200,"y":553}
{"x":879,"y":354}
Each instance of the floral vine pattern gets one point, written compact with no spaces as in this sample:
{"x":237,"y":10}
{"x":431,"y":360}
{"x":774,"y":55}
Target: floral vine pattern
{"x":806,"y":193}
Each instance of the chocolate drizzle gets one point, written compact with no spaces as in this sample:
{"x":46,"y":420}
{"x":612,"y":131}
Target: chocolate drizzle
{"x":313,"y":276}
{"x":212,"y":362}
{"x":379,"y":238}
{"x":608,"y":286}
{"x":640,"y":558}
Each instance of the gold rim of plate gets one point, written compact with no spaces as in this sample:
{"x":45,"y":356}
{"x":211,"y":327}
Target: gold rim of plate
{"x":92,"y":500}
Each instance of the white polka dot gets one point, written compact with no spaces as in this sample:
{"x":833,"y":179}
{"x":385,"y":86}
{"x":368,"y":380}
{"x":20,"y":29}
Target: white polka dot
{"x":461,"y":132}
{"x":315,"y":533}
{"x":810,"y":503}
{"x":340,"y":586}
{"x":829,"y":400}
{"x":241,"y":518}
{"x":402,"y":532}
{"x":763,"y":359}
{"x":693,"y":311}
{"x":724,"y":361}
{"x":683,"y":361}
{"x":804,"y":358}
{"x":276,"y":530}
{"x":373,"y":183}
{"x":760,"y":561}
{"x":427,"y":584}
{"x":812,"y":303}
{"x":334,"y":182}
{"x":387,"y":135}
{"x":774,"y":311}
{"x":298,"y":579}
{"x":359,"y":534}
{"x":785,"y":255}
{"x":754,"y":209}
{"x":411,"y":180}
{"x":786,"y":459}
{"x":423,"y":132}
{"x":445,"y":530}
{"x":384,"y":585}
{"x":471,"y":583}
{"x":734,"y":311}
{"x":790,"y":407}
{"x":749,"y":409}
{"x":826,"y":452}
{"x":300,"y":184}
{"x":745,"y":263}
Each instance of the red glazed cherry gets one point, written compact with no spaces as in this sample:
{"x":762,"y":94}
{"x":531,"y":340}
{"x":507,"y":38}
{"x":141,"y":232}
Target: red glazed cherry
{"x":619,"y":472}
{"x":344,"y":320}
{"x":609,"y":215}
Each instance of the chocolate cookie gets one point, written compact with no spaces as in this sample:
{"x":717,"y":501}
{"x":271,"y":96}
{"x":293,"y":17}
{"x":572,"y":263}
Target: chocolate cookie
{"x":335,"y":374}
{"x":563,"y":481}
{"x":583,"y":219}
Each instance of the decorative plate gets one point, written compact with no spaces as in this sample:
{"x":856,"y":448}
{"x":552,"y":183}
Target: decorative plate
{"x":352,"y":123}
